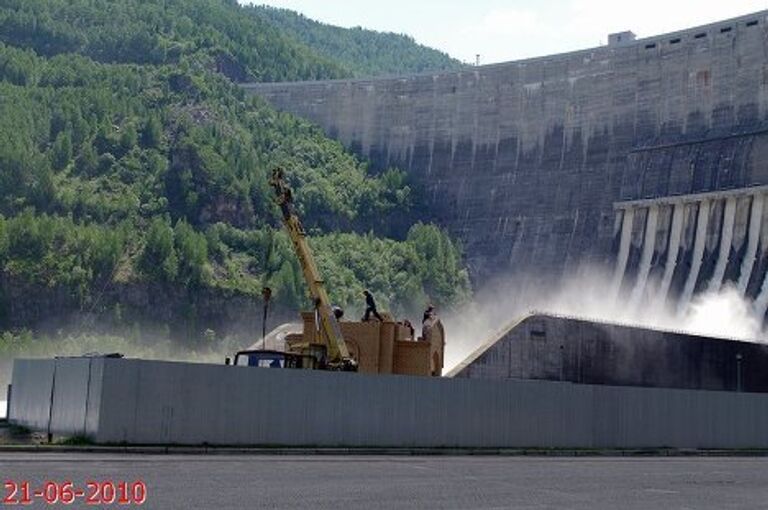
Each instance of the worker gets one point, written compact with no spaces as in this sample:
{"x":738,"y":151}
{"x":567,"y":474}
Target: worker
{"x":283,"y":191}
{"x":370,"y":306}
{"x":411,"y":330}
{"x":430,"y":316}
{"x":429,"y":313}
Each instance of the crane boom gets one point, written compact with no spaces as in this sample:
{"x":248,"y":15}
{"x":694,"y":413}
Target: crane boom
{"x":329,"y":326}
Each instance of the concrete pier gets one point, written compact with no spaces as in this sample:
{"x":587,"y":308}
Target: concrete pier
{"x":720,"y":241}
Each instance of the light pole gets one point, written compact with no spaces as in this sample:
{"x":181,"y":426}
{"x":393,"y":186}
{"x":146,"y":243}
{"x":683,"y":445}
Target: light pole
{"x":266,"y":293}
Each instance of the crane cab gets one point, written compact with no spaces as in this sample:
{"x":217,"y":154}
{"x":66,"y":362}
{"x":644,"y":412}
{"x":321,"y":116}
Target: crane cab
{"x":275,"y":359}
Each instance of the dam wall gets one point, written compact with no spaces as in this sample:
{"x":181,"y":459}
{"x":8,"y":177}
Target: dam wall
{"x":119,"y":401}
{"x":536,"y":164}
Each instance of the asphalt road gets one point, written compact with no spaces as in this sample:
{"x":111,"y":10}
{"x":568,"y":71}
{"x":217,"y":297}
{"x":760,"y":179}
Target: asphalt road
{"x":231,"y":481}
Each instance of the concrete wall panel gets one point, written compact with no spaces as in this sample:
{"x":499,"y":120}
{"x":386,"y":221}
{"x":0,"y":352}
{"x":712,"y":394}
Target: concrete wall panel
{"x":31,"y":385}
{"x":149,"y":402}
{"x":63,"y":392}
{"x":71,"y":396}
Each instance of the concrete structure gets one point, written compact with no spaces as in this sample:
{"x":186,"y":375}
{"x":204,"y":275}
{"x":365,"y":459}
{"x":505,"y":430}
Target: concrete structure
{"x":150,"y":402}
{"x":537,"y":164}
{"x":580,"y":351}
{"x":620,"y":38}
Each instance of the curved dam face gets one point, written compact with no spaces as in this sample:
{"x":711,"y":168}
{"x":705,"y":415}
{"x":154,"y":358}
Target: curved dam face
{"x":647,"y":155}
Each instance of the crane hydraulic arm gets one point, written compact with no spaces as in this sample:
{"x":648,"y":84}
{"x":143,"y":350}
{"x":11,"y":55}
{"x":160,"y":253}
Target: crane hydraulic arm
{"x":329,"y":326}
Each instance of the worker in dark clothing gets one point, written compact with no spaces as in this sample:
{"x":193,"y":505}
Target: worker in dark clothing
{"x":411,"y":329}
{"x":370,"y":307}
{"x":283,"y":192}
{"x":430,"y":315}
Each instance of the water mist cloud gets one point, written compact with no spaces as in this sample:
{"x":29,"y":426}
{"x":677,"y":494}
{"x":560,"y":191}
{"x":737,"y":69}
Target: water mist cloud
{"x":589,"y":294}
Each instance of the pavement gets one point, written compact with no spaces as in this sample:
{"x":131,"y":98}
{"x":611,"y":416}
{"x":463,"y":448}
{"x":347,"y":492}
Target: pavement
{"x":474,"y":482}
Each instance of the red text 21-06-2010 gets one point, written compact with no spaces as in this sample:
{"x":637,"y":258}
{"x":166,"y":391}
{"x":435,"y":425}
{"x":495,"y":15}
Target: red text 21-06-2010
{"x":96,"y":493}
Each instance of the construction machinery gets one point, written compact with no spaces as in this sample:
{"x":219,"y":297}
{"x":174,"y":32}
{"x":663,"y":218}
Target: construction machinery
{"x":330,"y":343}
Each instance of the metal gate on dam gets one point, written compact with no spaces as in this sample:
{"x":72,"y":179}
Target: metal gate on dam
{"x":647,"y":156}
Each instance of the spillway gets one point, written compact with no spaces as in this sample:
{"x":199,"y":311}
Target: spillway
{"x":705,"y":249}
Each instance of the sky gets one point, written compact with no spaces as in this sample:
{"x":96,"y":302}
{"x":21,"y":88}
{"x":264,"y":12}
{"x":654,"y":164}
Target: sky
{"x":503,"y":30}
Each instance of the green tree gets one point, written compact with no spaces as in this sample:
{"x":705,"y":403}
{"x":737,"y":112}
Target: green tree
{"x":158,"y":259}
{"x":87,"y":162}
{"x":3,"y":240}
{"x":61,"y":152}
{"x":192,"y":249}
{"x":41,"y":189}
{"x":152,"y":133}
{"x":445,"y":281}
{"x":129,"y":138}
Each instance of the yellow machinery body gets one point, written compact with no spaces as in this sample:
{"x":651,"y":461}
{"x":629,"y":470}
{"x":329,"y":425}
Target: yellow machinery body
{"x":380,"y":347}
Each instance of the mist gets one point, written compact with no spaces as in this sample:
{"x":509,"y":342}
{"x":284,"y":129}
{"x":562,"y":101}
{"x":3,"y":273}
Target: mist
{"x":589,"y":294}
{"x":148,"y":346}
{"x":496,"y":307}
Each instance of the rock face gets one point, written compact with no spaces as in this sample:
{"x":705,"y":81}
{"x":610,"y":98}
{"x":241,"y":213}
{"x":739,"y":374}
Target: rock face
{"x":534,"y":164}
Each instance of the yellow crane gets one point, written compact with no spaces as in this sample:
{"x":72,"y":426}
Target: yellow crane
{"x":379,"y":346}
{"x":338,"y":354}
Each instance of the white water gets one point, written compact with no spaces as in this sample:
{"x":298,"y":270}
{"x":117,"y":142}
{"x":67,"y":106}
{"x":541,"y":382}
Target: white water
{"x":724,"y":313}
{"x":755,"y":224}
{"x":675,"y":237}
{"x":621,"y":262}
{"x":761,"y":301}
{"x":649,"y":245}
{"x":698,"y":254}
{"x":726,"y":239}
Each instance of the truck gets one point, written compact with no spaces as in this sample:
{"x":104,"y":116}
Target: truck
{"x":327,"y":341}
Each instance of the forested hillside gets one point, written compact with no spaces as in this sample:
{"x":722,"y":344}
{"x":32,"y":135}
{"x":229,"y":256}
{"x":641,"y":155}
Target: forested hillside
{"x":133,"y":175}
{"x":249,"y":43}
{"x":210,"y":33}
{"x":363,"y":52}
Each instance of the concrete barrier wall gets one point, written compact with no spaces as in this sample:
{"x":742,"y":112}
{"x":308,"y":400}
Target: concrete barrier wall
{"x":145,"y":402}
{"x":554,"y":348}
{"x":59,"y":395}
{"x":30,"y":406}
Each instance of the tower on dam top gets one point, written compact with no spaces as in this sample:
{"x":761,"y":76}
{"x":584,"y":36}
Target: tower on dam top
{"x":647,"y":156}
{"x":621,"y":38}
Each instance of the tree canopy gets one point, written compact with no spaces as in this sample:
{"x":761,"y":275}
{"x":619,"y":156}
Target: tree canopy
{"x":363,"y":52}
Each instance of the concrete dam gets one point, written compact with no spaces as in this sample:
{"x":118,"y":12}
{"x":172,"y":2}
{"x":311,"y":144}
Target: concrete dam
{"x":648,"y":157}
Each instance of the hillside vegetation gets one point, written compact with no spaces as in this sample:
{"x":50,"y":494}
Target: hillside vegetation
{"x":130,"y":160}
{"x":363,"y":52}
{"x":213,"y":33}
